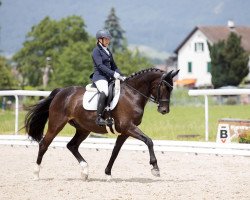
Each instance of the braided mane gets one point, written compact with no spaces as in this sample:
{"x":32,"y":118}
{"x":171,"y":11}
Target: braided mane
{"x":144,"y":71}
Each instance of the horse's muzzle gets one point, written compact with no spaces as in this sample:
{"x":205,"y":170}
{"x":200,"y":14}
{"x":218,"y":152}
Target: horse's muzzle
{"x":163,"y":110}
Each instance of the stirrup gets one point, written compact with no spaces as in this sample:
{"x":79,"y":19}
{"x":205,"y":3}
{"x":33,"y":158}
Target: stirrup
{"x":100,"y":121}
{"x":109,"y":121}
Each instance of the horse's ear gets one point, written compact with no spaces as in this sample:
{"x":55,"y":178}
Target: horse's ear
{"x":175,"y":73}
{"x":166,"y":75}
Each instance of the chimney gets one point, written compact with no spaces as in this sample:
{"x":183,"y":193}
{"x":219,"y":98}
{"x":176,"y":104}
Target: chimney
{"x":230,"y":24}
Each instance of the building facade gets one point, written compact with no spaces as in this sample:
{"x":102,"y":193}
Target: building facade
{"x":193,"y":55}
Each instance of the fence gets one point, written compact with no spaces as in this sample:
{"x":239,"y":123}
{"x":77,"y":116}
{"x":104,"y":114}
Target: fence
{"x":17,"y":93}
{"x":204,"y":93}
{"x":215,"y":92}
{"x":136,"y":145}
{"x":162,"y":146}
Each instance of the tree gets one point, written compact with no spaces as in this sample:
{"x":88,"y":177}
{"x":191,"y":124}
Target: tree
{"x":0,"y":27}
{"x":118,"y":42}
{"x":47,"y":39}
{"x":74,"y":65}
{"x":7,"y":80}
{"x":129,"y":62}
{"x":229,"y":62}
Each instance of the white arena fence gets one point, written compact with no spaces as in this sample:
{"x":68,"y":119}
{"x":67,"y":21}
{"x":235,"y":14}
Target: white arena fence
{"x":215,"y":92}
{"x":136,"y":145}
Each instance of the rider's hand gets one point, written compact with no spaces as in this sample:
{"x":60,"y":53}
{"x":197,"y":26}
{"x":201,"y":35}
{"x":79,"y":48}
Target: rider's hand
{"x":123,"y":78}
{"x":117,"y":75}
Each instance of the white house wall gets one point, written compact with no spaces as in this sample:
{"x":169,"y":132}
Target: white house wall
{"x":199,"y":60}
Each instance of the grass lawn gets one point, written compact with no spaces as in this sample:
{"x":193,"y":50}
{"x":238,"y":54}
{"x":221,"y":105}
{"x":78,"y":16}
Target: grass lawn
{"x":182,"y":120}
{"x":185,"y":120}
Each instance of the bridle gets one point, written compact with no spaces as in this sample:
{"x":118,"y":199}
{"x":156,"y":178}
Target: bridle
{"x":156,"y":100}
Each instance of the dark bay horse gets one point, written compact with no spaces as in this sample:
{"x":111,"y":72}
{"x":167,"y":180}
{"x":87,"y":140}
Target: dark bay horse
{"x":64,"y":106}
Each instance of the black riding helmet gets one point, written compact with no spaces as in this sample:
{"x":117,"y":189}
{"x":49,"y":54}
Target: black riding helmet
{"x":103,"y":34}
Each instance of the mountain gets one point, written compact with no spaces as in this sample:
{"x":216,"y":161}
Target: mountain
{"x":160,"y":24}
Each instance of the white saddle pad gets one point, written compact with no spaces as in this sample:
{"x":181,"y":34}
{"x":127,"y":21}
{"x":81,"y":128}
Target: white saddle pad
{"x":91,"y":96}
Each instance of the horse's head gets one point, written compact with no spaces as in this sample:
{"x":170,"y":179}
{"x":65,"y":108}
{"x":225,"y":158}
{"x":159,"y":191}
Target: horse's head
{"x":162,"y":89}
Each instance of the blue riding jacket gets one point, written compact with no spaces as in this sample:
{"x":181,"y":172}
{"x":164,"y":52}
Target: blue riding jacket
{"x":104,"y":65}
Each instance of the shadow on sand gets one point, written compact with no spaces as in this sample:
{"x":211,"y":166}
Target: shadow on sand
{"x":132,"y":180}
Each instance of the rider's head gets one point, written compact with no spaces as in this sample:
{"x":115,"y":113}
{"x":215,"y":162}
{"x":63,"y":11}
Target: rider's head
{"x":104,"y":37}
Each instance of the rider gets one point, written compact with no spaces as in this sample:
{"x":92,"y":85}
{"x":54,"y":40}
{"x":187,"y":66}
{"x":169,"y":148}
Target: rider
{"x":105,"y":70}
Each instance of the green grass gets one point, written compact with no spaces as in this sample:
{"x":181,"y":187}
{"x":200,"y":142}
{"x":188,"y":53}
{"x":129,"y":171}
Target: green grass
{"x":185,"y":120}
{"x":182,"y":120}
{"x":7,"y":125}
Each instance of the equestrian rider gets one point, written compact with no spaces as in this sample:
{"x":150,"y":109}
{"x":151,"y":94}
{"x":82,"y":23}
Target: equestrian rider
{"x":105,"y":70}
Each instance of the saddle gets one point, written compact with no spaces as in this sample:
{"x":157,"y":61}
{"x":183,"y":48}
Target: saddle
{"x":90,"y":97}
{"x":90,"y":100}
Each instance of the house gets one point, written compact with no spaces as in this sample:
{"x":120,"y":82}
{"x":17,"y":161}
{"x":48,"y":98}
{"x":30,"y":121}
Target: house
{"x":193,"y":55}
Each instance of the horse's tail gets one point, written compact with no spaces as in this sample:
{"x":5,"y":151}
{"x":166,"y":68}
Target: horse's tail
{"x":37,"y":117}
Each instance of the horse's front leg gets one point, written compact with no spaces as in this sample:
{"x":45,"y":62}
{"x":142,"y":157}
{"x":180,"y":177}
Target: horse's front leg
{"x":138,"y":134}
{"x":118,"y":144}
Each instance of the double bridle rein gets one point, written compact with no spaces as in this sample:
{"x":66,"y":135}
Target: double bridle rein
{"x":156,"y":100}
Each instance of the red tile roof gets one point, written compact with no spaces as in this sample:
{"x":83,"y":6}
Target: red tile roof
{"x":216,"y":33}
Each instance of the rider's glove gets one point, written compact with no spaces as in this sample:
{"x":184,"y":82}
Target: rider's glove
{"x":117,"y":75}
{"x":123,"y":78}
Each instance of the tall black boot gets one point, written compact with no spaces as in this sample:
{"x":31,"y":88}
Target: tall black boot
{"x":100,"y":108}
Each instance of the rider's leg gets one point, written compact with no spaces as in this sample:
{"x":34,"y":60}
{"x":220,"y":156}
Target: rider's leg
{"x":100,"y":108}
{"x":102,"y":86}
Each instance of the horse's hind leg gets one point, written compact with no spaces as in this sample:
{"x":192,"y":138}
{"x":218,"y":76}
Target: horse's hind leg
{"x":73,"y":146}
{"x":54,"y":127}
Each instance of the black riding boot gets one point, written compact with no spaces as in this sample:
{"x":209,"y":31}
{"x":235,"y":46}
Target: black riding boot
{"x":100,"y":108}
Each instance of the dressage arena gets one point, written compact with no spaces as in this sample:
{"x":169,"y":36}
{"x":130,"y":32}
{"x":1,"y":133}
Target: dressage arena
{"x":183,"y":175}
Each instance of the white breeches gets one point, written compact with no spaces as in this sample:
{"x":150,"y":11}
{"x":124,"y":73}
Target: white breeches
{"x":102,"y":86}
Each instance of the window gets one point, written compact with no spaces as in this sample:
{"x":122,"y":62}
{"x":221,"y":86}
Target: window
{"x":189,"y":67}
{"x":209,"y":67}
{"x":199,"y":47}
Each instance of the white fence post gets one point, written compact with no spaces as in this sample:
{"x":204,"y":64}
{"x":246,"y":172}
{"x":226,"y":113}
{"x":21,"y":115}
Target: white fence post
{"x":206,"y":118}
{"x":17,"y":93}
{"x":16,"y":114}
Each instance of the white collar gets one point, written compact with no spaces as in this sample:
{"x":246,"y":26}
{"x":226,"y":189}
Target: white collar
{"x":105,"y":48}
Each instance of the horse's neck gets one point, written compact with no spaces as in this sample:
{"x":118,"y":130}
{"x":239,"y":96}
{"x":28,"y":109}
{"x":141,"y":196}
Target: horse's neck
{"x":142,"y":84}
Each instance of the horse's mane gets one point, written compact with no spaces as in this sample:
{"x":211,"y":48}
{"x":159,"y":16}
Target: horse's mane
{"x":144,"y":71}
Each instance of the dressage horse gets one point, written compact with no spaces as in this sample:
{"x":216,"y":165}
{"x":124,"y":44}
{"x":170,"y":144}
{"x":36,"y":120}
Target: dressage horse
{"x":64,"y":105}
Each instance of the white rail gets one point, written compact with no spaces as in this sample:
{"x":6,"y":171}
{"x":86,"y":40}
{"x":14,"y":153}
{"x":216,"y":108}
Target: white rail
{"x":131,"y":144}
{"x":17,"y":93}
{"x":211,"y":92}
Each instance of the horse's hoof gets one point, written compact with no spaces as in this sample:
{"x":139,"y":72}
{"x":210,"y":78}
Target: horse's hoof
{"x":155,"y":172}
{"x":85,"y":170}
{"x":108,"y":178}
{"x":36,"y":173}
{"x":36,"y":176}
{"x":84,"y":176}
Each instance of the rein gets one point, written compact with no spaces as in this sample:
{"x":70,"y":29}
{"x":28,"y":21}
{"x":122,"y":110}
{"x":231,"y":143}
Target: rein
{"x":152,"y":99}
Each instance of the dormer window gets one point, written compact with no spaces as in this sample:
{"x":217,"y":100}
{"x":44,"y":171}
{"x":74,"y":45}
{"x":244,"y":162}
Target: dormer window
{"x":199,"y":47}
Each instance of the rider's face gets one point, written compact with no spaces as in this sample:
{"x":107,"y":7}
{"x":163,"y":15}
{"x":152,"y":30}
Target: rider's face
{"x":105,"y":41}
